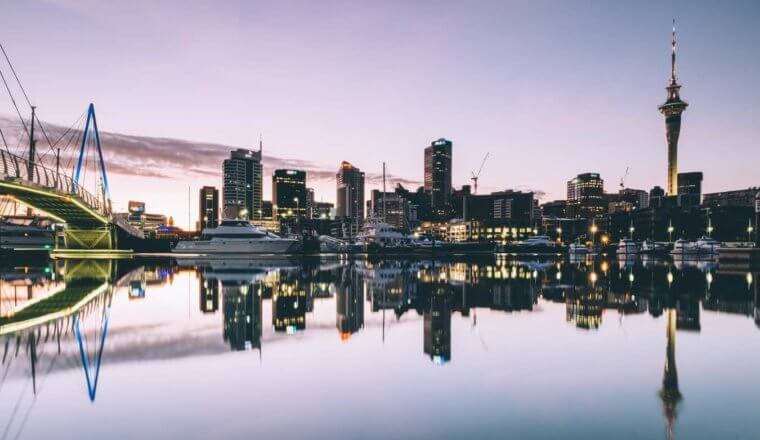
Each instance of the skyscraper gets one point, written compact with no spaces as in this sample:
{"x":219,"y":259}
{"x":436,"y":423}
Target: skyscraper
{"x":242,"y":184}
{"x":208,"y":206}
{"x":690,"y":188}
{"x":672,"y":109}
{"x":350,"y":196}
{"x":289,"y":193}
{"x":438,"y":175}
{"x":585,"y":195}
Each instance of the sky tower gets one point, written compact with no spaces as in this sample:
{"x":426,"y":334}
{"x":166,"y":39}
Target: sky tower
{"x":672,"y":109}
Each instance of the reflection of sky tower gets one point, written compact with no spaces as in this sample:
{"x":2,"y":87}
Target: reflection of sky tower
{"x":670,"y":393}
{"x":672,"y":109}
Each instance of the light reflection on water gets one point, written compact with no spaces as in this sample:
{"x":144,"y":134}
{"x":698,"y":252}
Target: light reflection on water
{"x":387,"y":348}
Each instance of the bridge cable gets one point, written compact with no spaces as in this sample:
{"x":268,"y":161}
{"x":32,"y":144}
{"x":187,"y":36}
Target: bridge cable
{"x":5,"y":143}
{"x":13,"y":100}
{"x":23,"y":91}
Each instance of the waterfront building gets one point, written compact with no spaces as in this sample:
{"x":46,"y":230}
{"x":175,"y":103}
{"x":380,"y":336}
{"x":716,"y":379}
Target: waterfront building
{"x":672,"y":109}
{"x":585,"y":196}
{"x":438,"y":160}
{"x":289,"y":194}
{"x":208,"y":206}
{"x":638,"y":198}
{"x":690,"y":188}
{"x":242,"y":190}
{"x":555,"y":209}
{"x":322,"y":210}
{"x":741,"y":197}
{"x":146,"y":222}
{"x":310,"y":203}
{"x":267,"y":209}
{"x":391,"y":206}
{"x":350,"y":198}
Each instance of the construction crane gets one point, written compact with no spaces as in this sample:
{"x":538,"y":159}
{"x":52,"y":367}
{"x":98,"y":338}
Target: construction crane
{"x":475,"y":176}
{"x":622,"y":179}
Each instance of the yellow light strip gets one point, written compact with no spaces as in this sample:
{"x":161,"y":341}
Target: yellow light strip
{"x":19,"y":326}
{"x":67,"y":198}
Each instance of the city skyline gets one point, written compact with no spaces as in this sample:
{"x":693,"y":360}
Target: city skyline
{"x":478,"y":100}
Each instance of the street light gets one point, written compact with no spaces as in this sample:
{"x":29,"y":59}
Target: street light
{"x":559,"y":234}
{"x":593,"y":233}
{"x":298,"y":214}
{"x":670,"y":232}
{"x":749,"y":232}
{"x":631,"y":230}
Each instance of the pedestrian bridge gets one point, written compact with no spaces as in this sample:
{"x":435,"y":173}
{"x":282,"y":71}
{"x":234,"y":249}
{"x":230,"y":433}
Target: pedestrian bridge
{"x":87,"y":219}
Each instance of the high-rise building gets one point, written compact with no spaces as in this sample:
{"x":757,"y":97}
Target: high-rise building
{"x":289,"y":193}
{"x":208,"y":206}
{"x":310,"y":202}
{"x":350,"y":196}
{"x":585,"y":196}
{"x":672,"y":109}
{"x":390,"y":205}
{"x":741,"y":197}
{"x":690,"y":188}
{"x":438,"y":175}
{"x":243,"y":184}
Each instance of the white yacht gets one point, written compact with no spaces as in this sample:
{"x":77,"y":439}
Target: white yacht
{"x":578,"y":249}
{"x":377,"y":232}
{"x":683,"y":248}
{"x":707,"y":246}
{"x":537,"y":241}
{"x":652,"y":247}
{"x":237,"y":237}
{"x":626,"y":246}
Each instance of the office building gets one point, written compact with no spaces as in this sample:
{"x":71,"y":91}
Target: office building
{"x":350,"y":197}
{"x":742,"y":197}
{"x":242,"y":185}
{"x":208,"y":206}
{"x":310,"y":202}
{"x":322,"y":210}
{"x":585,"y":196}
{"x":690,"y":183}
{"x":146,"y":222}
{"x":438,"y":176}
{"x":672,"y":109}
{"x":391,"y":207}
{"x":637,"y":198}
{"x":289,"y":194}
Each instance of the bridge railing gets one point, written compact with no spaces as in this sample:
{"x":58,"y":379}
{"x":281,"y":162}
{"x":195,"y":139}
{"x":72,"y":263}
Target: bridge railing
{"x":12,"y":165}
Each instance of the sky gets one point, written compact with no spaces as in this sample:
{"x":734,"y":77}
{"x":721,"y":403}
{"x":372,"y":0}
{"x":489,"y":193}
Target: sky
{"x":549,"y":89}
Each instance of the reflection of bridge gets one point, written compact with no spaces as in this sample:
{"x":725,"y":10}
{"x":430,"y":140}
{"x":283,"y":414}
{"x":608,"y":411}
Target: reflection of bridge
{"x":89,"y":223}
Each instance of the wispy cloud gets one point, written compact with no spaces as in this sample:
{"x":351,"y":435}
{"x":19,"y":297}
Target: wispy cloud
{"x":168,"y":158}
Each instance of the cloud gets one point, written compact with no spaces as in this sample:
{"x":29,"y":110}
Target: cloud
{"x":167,"y":158}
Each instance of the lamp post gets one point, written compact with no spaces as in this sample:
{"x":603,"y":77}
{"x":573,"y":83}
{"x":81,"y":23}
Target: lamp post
{"x":559,"y":234}
{"x":593,"y":234}
{"x":631,"y":230}
{"x":670,"y":232}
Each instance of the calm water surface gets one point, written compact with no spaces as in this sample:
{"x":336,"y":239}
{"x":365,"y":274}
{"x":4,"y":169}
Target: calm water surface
{"x":491,"y":348}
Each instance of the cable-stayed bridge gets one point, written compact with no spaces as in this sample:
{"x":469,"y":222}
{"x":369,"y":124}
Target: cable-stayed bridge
{"x":67,"y":181}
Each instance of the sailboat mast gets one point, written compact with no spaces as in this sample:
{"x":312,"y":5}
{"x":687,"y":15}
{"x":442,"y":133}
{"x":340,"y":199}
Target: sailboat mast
{"x":383,"y":192}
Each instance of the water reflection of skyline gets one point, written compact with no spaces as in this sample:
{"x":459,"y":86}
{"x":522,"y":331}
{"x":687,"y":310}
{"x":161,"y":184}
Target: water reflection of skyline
{"x":431,"y":292}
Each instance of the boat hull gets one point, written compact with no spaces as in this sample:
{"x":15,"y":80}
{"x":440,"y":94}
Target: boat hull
{"x":238,"y":247}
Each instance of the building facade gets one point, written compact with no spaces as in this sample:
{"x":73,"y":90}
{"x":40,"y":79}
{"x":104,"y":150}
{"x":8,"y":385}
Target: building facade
{"x":350,"y":197}
{"x":438,"y":175}
{"x":585,"y":196}
{"x":289,"y":194}
{"x":208,"y":206}
{"x":242,"y":188}
{"x":690,"y":188}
